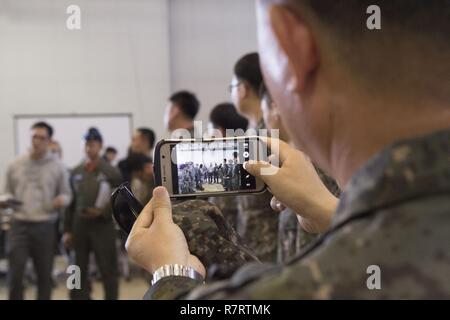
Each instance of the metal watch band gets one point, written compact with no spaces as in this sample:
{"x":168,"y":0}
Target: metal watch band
{"x":176,"y":270}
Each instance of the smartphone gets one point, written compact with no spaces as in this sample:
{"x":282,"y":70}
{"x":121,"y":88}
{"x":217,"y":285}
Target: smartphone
{"x":208,"y":167}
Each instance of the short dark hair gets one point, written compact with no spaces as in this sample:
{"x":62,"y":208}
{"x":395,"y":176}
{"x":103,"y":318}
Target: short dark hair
{"x":149,"y":134}
{"x":226,"y":116}
{"x":413,"y":17}
{"x":111,"y":150}
{"x":381,"y":56}
{"x":248,"y":69}
{"x":136,"y":162}
{"x":43,"y":125}
{"x":187,"y":102}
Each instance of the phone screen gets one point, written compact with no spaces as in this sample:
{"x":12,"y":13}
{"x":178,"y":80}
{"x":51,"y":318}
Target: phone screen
{"x":213,"y":167}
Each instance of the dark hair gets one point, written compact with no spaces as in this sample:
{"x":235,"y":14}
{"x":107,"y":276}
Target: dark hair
{"x":149,"y":134}
{"x":249,"y":70}
{"x":187,"y":102}
{"x":93,"y":135}
{"x":43,"y":125}
{"x":136,"y":161}
{"x":423,"y":25}
{"x":414,"y":17}
{"x":111,"y":149}
{"x":225,"y":115}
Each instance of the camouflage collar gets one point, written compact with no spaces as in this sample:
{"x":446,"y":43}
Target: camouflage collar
{"x":406,"y":170}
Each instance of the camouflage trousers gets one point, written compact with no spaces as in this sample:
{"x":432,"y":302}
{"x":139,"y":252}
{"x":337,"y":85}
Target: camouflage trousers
{"x":211,"y":238}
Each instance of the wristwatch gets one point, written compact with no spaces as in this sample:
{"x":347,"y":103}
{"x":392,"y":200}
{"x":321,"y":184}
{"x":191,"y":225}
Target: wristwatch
{"x":176,"y":270}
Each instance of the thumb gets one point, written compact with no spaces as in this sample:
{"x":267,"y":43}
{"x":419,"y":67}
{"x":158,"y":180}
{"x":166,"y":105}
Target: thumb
{"x":162,"y":208}
{"x":261,"y":169}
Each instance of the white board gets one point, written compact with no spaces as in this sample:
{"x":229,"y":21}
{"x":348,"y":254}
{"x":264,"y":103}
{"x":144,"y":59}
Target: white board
{"x":69,"y":131}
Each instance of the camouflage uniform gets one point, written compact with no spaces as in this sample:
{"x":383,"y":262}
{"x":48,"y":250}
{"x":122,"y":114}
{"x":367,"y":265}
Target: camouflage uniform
{"x":229,"y":208}
{"x":395,"y":213}
{"x":291,"y":236}
{"x":212,"y":238}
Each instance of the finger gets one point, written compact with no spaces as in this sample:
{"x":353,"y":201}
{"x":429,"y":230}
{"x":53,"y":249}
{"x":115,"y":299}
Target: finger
{"x":262,"y":170}
{"x":145,"y":218}
{"x":277,"y":147}
{"x":162,"y":208}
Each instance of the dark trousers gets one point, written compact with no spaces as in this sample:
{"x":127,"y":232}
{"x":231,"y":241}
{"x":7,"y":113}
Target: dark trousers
{"x":96,"y":236}
{"x":35,"y":240}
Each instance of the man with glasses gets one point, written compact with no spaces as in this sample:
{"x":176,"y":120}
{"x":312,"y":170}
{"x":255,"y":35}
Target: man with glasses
{"x":255,"y":213}
{"x":41,"y":183}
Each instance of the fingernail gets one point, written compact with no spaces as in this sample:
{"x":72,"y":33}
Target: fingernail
{"x":160,"y":192}
{"x":248,"y":163}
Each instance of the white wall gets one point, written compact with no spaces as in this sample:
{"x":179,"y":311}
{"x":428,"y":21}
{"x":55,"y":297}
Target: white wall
{"x":117,"y":63}
{"x":128,"y":57}
{"x":207,"y":37}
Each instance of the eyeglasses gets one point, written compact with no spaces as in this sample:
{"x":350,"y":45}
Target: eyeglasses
{"x":235,"y":85}
{"x":40,"y":138}
{"x":126,"y":208}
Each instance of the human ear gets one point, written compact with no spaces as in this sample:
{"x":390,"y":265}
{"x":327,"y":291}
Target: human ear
{"x":296,"y":40}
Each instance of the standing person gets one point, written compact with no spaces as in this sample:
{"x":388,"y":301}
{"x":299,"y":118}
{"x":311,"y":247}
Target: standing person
{"x":255,"y":213}
{"x":88,"y":221}
{"x":110,"y":155}
{"x":236,"y":173}
{"x":142,"y":181}
{"x":216,"y":173}
{"x":226,"y":175}
{"x":41,"y":182}
{"x":210,"y":173}
{"x":143,"y":142}
{"x":180,"y":114}
{"x":224,"y":117}
{"x":292,"y":238}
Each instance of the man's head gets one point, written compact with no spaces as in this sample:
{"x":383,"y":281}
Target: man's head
{"x":141,"y":166}
{"x":181,"y":111}
{"x":41,"y":135}
{"x":336,"y":81}
{"x":247,"y":80}
{"x":94,"y":144}
{"x":110,"y":154}
{"x":143,"y":141}
{"x":224,"y":117}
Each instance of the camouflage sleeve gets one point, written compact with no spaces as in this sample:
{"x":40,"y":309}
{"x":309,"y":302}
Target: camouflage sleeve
{"x":257,"y":224}
{"x":211,"y":238}
{"x":394,"y":253}
{"x":329,"y":182}
{"x":229,"y":208}
{"x":171,"y":288}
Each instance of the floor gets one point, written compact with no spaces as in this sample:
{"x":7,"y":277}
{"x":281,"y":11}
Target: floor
{"x":134,"y":289}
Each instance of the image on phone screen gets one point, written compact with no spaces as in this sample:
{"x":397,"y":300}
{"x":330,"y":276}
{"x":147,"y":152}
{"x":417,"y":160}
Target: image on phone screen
{"x":213,"y":167}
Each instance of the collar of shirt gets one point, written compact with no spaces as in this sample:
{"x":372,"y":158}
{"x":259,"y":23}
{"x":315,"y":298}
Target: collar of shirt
{"x":406,"y":170}
{"x":91,"y":166}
